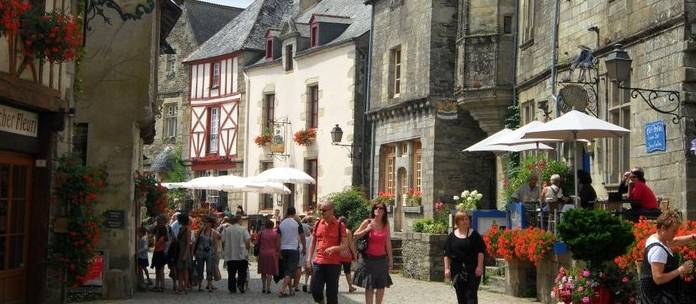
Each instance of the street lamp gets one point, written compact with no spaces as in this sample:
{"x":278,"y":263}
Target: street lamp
{"x":337,"y":135}
{"x":619,"y":70}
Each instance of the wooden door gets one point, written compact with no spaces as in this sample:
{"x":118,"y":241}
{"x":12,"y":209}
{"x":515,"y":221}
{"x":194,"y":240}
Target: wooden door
{"x":15,"y":200}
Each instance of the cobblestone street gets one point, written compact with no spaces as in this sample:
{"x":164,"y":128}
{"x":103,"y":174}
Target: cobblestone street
{"x":403,"y":291}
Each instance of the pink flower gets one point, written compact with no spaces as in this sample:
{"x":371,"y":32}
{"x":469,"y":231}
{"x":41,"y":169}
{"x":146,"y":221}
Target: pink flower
{"x":586,"y":300}
{"x":586,"y":273}
{"x":580,"y":288}
{"x":624,"y":280}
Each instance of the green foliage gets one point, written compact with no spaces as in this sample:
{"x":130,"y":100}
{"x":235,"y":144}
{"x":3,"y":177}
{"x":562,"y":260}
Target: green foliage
{"x":595,"y":236}
{"x":512,"y":117}
{"x":353,"y":204}
{"x":428,"y":226}
{"x":519,"y":175}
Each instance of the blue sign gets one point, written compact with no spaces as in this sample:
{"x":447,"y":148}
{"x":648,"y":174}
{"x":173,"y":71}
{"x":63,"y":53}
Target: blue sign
{"x":655,"y":136}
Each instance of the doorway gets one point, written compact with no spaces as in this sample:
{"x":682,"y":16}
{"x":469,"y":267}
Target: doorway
{"x":15,"y":201}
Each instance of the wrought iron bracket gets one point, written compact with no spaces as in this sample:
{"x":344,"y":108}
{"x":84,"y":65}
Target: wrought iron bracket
{"x":94,"y":8}
{"x":650,"y":97}
{"x":591,"y":86}
{"x":351,"y":148}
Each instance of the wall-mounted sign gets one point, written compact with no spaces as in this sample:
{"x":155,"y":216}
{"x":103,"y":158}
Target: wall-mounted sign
{"x":18,"y":121}
{"x":655,"y":136}
{"x":95,"y":271}
{"x":115,"y":219}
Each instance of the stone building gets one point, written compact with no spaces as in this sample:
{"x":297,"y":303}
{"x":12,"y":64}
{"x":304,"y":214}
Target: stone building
{"x":198,"y":22}
{"x":658,"y":37}
{"x":115,"y":117}
{"x":217,"y":91}
{"x":312,"y":78}
{"x":413,"y":57}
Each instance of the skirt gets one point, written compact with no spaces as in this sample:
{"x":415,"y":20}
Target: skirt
{"x":159,"y":259}
{"x":268,"y":264}
{"x":372,"y":273}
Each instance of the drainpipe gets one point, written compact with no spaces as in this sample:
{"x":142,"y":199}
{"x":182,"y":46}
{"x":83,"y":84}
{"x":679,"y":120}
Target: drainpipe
{"x":554,"y":72}
{"x":368,"y":102}
{"x":514,"y":43}
{"x":246,"y":133}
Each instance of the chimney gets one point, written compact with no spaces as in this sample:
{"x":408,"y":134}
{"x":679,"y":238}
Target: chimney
{"x":306,"y":4}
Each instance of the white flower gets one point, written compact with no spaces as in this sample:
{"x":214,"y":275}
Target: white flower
{"x":479,"y":196}
{"x":465,"y":193}
{"x":456,"y":198}
{"x":475,"y":192}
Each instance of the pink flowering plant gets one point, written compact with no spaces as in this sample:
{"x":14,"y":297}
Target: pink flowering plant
{"x":573,"y":286}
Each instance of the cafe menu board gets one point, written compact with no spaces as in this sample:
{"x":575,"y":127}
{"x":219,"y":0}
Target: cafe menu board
{"x":655,"y":136}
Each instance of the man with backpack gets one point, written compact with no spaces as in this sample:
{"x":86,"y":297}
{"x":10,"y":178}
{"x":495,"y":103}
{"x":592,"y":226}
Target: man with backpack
{"x":327,"y":244}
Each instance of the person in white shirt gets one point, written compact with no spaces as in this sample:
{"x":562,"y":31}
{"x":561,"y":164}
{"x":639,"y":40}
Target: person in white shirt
{"x":529,"y":192}
{"x":660,"y":270}
{"x":236,"y":244}
{"x":291,"y":239}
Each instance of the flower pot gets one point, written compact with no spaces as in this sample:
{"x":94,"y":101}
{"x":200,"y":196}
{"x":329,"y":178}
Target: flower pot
{"x":602,"y":295}
{"x":520,"y":278}
{"x":278,"y":148}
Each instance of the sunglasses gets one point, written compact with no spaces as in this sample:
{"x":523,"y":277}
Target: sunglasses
{"x":380,"y":207}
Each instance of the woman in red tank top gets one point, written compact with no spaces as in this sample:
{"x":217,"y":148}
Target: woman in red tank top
{"x":376,"y":262}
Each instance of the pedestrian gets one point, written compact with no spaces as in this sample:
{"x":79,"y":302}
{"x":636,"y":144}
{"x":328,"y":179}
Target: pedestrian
{"x":376,"y":260}
{"x":204,"y":252}
{"x":276,"y":217}
{"x":183,"y":262}
{"x":240,"y":211}
{"x":308,"y":225}
{"x":464,"y":252}
{"x":236,"y":244}
{"x":268,"y":243}
{"x":159,"y":256}
{"x":660,"y":279}
{"x":143,"y":249}
{"x":291,"y":239}
{"x":325,"y":255}
{"x":348,"y":255}
{"x":173,"y":248}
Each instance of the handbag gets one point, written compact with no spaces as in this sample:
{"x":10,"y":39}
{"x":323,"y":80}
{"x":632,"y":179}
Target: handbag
{"x":257,"y":246}
{"x":361,"y":243}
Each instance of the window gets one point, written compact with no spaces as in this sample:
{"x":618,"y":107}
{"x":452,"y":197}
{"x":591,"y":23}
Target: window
{"x":170,"y":116}
{"x":528,"y":20}
{"x":266,"y":202}
{"x":314,"y":35}
{"x":507,"y":24}
{"x":80,"y":141}
{"x":268,"y":111}
{"x":527,"y":112}
{"x":312,"y":169}
{"x":313,"y":107}
{"x":288,"y":57}
{"x":215,"y":79}
{"x":395,"y":71}
{"x":619,"y":149}
{"x":269,"y":48}
{"x":171,"y":65}
{"x":403,"y":149}
{"x":213,"y":130}
{"x":418,"y":166}
{"x":388,"y":160}
{"x":15,"y":187}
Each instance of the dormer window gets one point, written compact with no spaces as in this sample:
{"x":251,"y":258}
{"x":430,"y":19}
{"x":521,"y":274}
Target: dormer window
{"x":215,"y":83}
{"x":269,"y":48}
{"x":314,"y":35}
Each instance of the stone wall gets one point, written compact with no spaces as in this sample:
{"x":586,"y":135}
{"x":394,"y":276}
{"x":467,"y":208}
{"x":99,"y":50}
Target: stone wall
{"x":423,"y":255}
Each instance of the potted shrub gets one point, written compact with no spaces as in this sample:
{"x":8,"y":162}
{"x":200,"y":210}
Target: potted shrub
{"x":264,"y":139}
{"x":305,"y":137}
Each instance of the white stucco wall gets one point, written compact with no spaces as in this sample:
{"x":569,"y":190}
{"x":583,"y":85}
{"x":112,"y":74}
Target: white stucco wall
{"x":333,"y":70}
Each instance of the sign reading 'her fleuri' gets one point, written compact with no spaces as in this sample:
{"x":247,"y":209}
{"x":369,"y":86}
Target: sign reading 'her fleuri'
{"x":655,"y":136}
{"x":18,"y":121}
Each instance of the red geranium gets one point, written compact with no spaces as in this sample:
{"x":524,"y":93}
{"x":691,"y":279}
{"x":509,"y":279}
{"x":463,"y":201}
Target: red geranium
{"x":305,"y":137}
{"x":10,"y":13}
{"x":54,"y":36}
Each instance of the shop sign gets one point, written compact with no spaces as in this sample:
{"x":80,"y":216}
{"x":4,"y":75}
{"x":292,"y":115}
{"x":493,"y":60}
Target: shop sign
{"x":95,"y":271}
{"x":18,"y":121}
{"x":655,"y":136}
{"x":115,"y":219}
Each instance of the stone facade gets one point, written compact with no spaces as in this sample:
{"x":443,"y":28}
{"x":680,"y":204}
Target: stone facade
{"x":424,"y":37}
{"x":657,"y":37}
{"x":423,"y":255}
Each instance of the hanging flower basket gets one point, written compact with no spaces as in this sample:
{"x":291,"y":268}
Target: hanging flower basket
{"x":265,"y":138}
{"x":53,"y":36}
{"x":11,"y":12}
{"x":305,"y":137}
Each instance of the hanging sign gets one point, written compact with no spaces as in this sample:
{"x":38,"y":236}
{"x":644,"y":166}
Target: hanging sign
{"x":655,"y":136}
{"x":18,"y":121}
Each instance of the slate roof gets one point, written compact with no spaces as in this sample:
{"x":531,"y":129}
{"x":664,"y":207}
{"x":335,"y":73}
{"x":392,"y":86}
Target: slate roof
{"x":206,"y":18}
{"x":336,"y":11}
{"x":332,"y":19}
{"x":247,"y":31}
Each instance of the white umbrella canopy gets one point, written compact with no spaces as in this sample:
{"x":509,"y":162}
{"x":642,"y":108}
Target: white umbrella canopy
{"x":173,"y":185}
{"x":283,"y":175}
{"x":203,"y":183}
{"x":231,"y":183}
{"x":573,"y":125}
{"x":262,"y":187}
{"x":515,"y":148}
{"x":515,"y":137}
{"x":490,"y":140}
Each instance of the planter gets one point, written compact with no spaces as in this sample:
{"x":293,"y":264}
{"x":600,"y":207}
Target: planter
{"x":602,"y":295}
{"x":520,"y":278}
{"x":422,"y":255}
{"x":413,"y":209}
{"x":278,"y":148}
{"x":546,"y":274}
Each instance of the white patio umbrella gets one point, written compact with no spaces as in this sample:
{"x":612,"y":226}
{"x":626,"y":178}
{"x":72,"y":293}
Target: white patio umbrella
{"x":265,"y":187}
{"x":231,"y":183}
{"x":490,"y":140}
{"x":514,"y":148}
{"x":284,"y":175}
{"x":203,"y":183}
{"x":573,"y":125}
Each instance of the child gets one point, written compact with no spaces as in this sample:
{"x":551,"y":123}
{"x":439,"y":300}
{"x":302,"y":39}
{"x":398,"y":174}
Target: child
{"x":143,"y":248}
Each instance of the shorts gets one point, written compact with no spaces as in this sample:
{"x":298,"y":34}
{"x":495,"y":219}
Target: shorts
{"x":289,"y":262}
{"x":143,"y":263}
{"x":346,"y":267}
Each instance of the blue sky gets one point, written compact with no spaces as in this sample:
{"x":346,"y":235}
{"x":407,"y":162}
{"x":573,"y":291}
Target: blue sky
{"x":236,"y":3}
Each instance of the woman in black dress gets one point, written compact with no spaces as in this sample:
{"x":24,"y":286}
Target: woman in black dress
{"x":660,"y":278}
{"x":464,"y":259}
